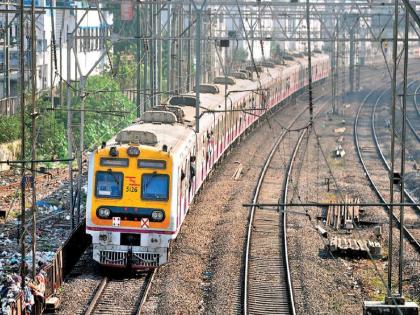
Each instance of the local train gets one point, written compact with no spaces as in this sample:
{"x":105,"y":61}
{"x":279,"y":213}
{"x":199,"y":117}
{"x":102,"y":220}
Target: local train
{"x":142,"y":181}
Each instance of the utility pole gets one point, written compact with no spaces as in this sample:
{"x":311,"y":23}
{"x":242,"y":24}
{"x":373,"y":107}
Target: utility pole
{"x":308,"y":27}
{"x":152,"y":46}
{"x":211,"y":50}
{"x":33,"y":135}
{"x":391,"y":175}
{"x":81,"y":145}
{"x":343,"y":61}
{"x":159,"y":54}
{"x":337,"y":64}
{"x":7,"y":55}
{"x":333,"y":66}
{"x":146,"y":50}
{"x":169,"y":52}
{"x":198,"y":66}
{"x":351,"y":68}
{"x":152,"y":56}
{"x":403,"y":139}
{"x":174,"y":44}
{"x":51,"y":73}
{"x":69,"y":127}
{"x":61,"y":71}
{"x":179,"y":49}
{"x":22,"y":121}
{"x":138,"y":59}
{"x":358,"y":61}
{"x":189,"y":79}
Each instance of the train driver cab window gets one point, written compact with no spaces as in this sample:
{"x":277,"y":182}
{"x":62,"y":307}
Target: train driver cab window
{"x":155,"y":187}
{"x":109,"y":184}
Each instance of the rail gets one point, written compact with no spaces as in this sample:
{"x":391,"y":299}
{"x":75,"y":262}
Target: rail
{"x":253,"y":209}
{"x":289,"y":299}
{"x":369,"y":176}
{"x":107,"y":288}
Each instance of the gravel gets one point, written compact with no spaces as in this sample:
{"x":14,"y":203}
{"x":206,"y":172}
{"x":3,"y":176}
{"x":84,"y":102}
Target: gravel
{"x":204,"y":273}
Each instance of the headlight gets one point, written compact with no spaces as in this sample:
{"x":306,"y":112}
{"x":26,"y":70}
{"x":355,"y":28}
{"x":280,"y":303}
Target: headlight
{"x":157,"y":215}
{"x":113,"y":151}
{"x":103,"y":238}
{"x":133,"y":151}
{"x":104,"y":213}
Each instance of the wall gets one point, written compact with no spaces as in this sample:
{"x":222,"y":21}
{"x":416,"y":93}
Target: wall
{"x":9,"y":151}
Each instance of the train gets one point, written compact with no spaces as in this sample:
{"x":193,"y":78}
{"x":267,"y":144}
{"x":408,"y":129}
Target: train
{"x":142,"y":182}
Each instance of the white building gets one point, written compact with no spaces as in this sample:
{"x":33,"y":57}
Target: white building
{"x":88,"y":44}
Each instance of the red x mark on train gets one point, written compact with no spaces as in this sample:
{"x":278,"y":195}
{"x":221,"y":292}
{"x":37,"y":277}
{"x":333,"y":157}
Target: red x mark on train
{"x":144,"y":223}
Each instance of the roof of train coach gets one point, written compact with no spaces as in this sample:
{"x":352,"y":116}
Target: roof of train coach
{"x":174,"y":135}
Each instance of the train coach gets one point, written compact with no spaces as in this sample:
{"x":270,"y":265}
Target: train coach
{"x":141,"y":182}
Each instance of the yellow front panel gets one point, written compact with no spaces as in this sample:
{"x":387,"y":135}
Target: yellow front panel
{"x":131,"y":187}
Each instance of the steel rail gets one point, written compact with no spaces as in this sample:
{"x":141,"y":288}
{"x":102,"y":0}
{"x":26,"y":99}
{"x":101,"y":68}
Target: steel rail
{"x":416,"y":106}
{"x":143,"y":293}
{"x":289,"y":298}
{"x":252,"y":212}
{"x":143,"y":297}
{"x":375,"y":188}
{"x":415,"y":100}
{"x":97,"y":296}
{"x":409,"y":123}
{"x":284,"y":215}
{"x":254,"y":201}
{"x":381,"y":154}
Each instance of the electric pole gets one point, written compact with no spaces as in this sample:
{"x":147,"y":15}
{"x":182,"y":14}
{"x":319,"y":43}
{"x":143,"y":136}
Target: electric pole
{"x":22,"y":122}
{"x":34,"y":115}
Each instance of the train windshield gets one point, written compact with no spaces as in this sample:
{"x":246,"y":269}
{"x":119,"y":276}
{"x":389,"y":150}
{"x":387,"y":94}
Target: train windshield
{"x":109,"y":184}
{"x":155,"y":187}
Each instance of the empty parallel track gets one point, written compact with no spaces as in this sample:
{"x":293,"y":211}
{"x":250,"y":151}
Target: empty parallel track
{"x":366,"y":123}
{"x":267,"y":286}
{"x":416,"y":105}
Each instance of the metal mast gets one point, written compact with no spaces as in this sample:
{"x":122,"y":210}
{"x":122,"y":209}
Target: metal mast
{"x":22,"y":120}
{"x":33,"y":134}
{"x":308,"y":27}
{"x":403,"y":138}
{"x":391,"y":175}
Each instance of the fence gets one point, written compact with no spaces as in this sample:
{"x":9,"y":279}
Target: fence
{"x":131,"y":94}
{"x":65,"y":259}
{"x":9,"y":106}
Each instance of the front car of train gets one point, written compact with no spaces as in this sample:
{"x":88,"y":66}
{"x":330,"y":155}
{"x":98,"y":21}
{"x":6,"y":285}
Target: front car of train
{"x":128,"y":208}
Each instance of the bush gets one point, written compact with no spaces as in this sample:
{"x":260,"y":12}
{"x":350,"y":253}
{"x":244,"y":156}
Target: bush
{"x":9,"y":128}
{"x":103,"y":94}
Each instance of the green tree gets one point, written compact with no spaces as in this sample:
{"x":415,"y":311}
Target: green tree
{"x":104,"y":96}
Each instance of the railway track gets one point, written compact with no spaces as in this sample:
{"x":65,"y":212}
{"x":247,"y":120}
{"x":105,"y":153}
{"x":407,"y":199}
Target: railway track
{"x":368,"y":149}
{"x":381,"y":151}
{"x":116,"y":296}
{"x":416,"y":105}
{"x":267,"y":286}
{"x":413,"y":120}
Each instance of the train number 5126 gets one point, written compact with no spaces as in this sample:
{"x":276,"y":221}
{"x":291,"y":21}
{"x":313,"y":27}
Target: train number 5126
{"x":130,"y":189}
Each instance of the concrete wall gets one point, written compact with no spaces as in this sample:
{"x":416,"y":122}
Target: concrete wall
{"x":9,"y":151}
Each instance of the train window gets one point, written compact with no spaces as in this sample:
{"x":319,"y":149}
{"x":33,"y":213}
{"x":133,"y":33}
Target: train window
{"x":109,"y":184}
{"x":155,"y":187}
